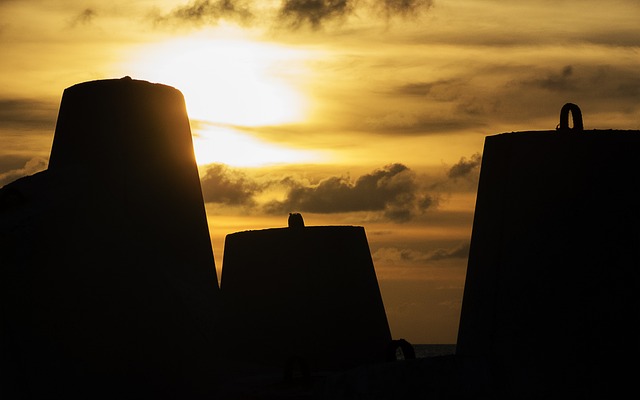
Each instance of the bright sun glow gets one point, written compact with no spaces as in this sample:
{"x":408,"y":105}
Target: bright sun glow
{"x":230,"y":80}
{"x":225,"y":145}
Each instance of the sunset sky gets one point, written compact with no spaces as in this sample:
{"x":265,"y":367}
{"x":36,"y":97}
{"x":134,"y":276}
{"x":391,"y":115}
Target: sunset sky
{"x":352,"y":112}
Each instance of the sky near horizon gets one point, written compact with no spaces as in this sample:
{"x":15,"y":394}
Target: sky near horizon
{"x":369,"y":113}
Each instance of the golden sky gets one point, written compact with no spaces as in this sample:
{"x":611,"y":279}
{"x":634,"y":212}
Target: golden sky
{"x":365,"y":112}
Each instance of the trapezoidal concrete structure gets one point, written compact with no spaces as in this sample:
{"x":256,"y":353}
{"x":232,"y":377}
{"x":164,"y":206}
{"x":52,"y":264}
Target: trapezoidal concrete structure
{"x":107,"y":272}
{"x":551,"y":294}
{"x":304,"y":297}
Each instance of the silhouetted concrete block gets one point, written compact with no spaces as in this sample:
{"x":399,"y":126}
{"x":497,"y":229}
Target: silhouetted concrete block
{"x":305,"y":293}
{"x":551,"y":291}
{"x":108,"y":277}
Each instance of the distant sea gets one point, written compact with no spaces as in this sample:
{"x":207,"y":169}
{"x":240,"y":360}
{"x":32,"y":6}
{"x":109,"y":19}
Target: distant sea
{"x":433,"y":350}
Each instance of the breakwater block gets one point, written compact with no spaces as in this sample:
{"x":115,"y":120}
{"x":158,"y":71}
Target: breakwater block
{"x":550,"y":299}
{"x":303,"y":299}
{"x":107,"y":276}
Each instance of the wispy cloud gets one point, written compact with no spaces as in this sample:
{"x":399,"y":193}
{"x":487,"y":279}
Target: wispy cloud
{"x":30,"y":167}
{"x":460,"y":251}
{"x":410,"y":257}
{"x":466,"y":167}
{"x":207,"y":12}
{"x":29,"y":114}
{"x":403,"y":7}
{"x":85,"y":17}
{"x":314,"y":12}
{"x":462,"y":176}
{"x":294,"y":14}
{"x":556,"y":81}
{"x":611,"y":81}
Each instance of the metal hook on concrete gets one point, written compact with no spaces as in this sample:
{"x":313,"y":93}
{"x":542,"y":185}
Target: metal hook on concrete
{"x":576,"y":114}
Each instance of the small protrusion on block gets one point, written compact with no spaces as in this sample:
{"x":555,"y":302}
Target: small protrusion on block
{"x":295,"y":220}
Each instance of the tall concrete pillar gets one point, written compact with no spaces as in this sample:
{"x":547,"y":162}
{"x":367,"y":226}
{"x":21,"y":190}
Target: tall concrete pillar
{"x":108,"y":276}
{"x":551,"y":293}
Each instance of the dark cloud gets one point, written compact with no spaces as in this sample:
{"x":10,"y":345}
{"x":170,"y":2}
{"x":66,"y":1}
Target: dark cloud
{"x":27,"y":114}
{"x":518,"y":93}
{"x":418,"y":124}
{"x":221,"y":184}
{"x":456,"y":105}
{"x":460,"y":91}
{"x":403,"y":7}
{"x":394,"y":193}
{"x":209,"y":12}
{"x":466,"y":167}
{"x":439,"y":90}
{"x":460,"y":177}
{"x":556,"y":81}
{"x":393,"y":190}
{"x":84,"y":18}
{"x":597,"y":81}
{"x":461,"y":251}
{"x":538,"y":94}
{"x":314,"y":12}
{"x":418,"y":256}
{"x":291,"y":13}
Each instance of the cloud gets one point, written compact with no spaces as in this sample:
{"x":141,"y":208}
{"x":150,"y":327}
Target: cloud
{"x":208,"y":12}
{"x":10,"y":162}
{"x":462,"y":176}
{"x":394,"y":256}
{"x":223,"y":185}
{"x":294,"y":14}
{"x":439,"y":106}
{"x":439,"y":90}
{"x":30,"y":167}
{"x":19,"y":113}
{"x":556,"y":81}
{"x":314,"y":12}
{"x":465,"y":167}
{"x":84,"y":18}
{"x":393,"y":190}
{"x":403,"y":7}
{"x":393,"y":193}
{"x":460,"y":251}
{"x":608,"y":81}
{"x":539,"y":93}
{"x":417,"y":124}
{"x":514,"y":97}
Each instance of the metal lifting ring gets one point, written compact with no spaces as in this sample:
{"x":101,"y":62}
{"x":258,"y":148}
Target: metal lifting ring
{"x":576,"y":114}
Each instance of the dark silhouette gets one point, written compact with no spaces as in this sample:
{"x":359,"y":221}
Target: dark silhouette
{"x":108,"y":287}
{"x":295,"y":220}
{"x":107,"y":278}
{"x":550,"y":300}
{"x":576,"y":114}
{"x":408,"y":352}
{"x":306,"y":292}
